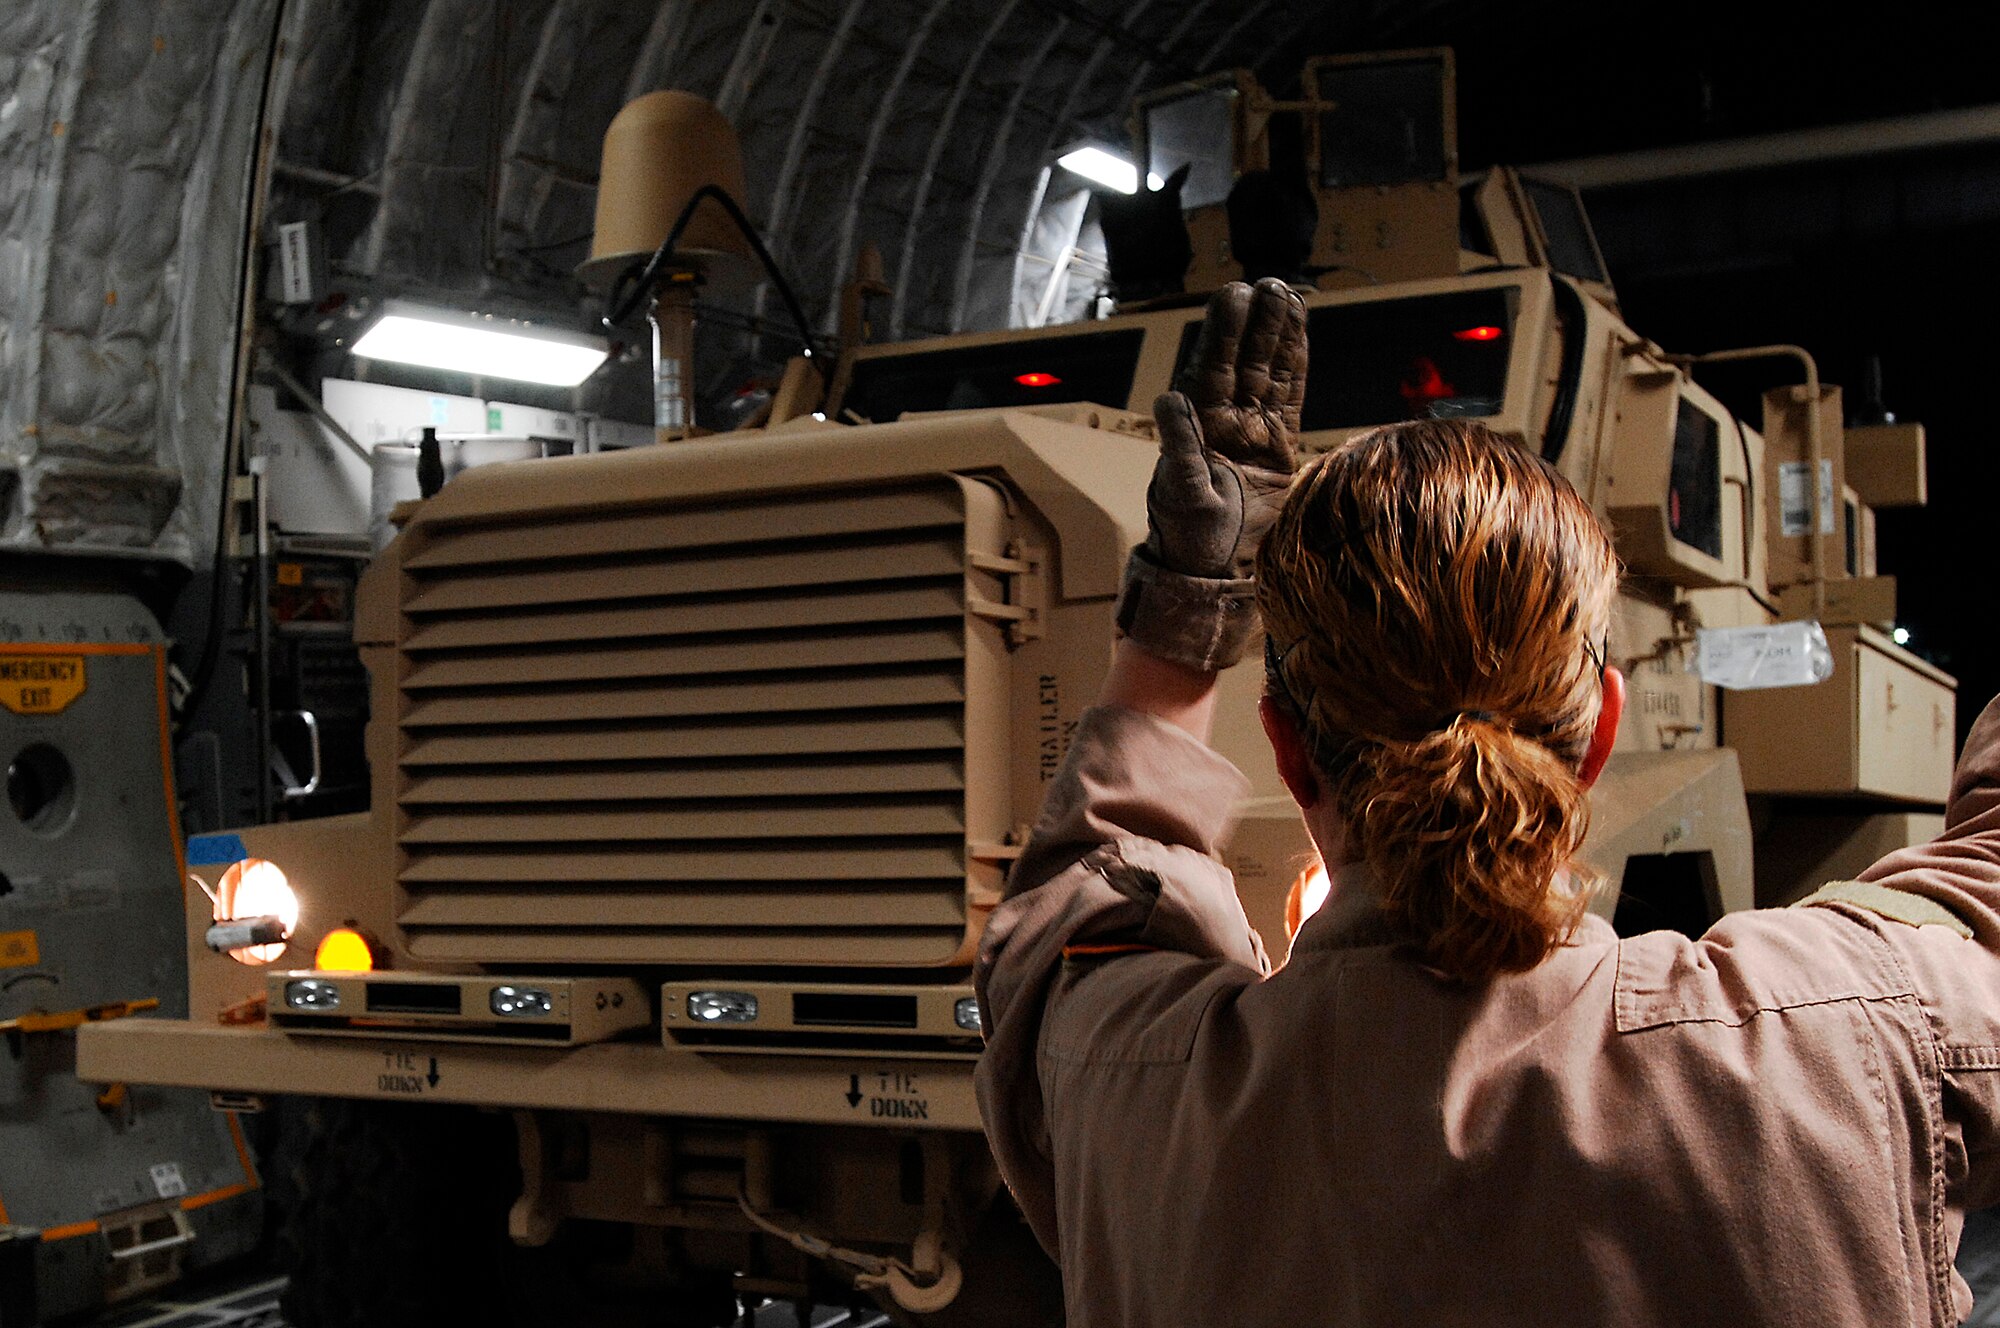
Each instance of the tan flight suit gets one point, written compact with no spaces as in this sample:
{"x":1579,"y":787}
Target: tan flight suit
{"x":1780,"y":1123}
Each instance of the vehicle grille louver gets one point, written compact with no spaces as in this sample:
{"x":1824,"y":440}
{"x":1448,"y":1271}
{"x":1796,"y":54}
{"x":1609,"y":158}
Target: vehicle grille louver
{"x":725,"y":734}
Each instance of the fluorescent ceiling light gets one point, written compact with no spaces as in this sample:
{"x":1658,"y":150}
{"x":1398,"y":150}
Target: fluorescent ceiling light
{"x":1106,"y":168}
{"x":481,"y":344}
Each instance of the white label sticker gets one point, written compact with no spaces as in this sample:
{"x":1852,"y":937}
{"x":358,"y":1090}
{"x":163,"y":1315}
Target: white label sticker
{"x":294,"y":263}
{"x":1793,"y":654}
{"x":1795,"y":504}
{"x":167,"y":1179}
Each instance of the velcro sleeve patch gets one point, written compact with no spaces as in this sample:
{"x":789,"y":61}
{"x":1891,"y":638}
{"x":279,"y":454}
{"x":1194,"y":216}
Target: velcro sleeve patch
{"x":1911,"y":910}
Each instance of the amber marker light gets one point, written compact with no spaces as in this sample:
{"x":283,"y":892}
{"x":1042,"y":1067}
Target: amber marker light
{"x":1484,"y":332}
{"x":344,"y":950}
{"x":1037,"y":379}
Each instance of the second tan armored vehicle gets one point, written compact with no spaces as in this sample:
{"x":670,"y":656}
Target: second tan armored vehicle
{"x":698,"y":768}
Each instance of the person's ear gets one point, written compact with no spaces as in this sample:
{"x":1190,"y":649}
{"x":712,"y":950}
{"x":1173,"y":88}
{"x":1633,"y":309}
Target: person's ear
{"x":1288,"y":745}
{"x":1606,"y":733}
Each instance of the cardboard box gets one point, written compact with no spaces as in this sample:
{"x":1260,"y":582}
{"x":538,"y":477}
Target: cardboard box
{"x":1852,"y":600}
{"x":1857,"y":529}
{"x":1885,"y":464}
{"x":1730,"y":606}
{"x":1796,"y":509}
{"x":1883,"y":725}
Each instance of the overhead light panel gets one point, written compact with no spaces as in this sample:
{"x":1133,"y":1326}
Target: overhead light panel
{"x":486,"y":345}
{"x":1106,"y":168}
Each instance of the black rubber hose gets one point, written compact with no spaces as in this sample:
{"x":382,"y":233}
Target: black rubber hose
{"x":623,"y":303}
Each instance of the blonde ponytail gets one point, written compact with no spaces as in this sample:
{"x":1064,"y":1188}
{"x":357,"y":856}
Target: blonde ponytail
{"x":1434,"y":598}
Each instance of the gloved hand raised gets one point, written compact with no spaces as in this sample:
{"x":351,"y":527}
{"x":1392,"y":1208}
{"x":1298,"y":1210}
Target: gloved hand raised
{"x":1228,"y":446}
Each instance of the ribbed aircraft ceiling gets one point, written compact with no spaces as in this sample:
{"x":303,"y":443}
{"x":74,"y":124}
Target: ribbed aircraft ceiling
{"x":450,"y":147}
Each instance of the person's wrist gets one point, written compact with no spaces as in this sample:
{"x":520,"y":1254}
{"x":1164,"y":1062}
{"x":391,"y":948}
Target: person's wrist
{"x":1165,"y":689}
{"x":1204,"y":624}
{"x":1169,"y":678}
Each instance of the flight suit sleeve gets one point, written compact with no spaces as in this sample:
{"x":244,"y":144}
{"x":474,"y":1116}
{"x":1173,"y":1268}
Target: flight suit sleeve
{"x":1121,"y":860}
{"x":1940,"y":914}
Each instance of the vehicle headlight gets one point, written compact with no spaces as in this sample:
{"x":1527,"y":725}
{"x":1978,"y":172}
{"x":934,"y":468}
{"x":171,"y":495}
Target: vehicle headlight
{"x":722,"y":1007}
{"x":312,"y":994}
{"x":256,"y":888}
{"x":522,"y":1002}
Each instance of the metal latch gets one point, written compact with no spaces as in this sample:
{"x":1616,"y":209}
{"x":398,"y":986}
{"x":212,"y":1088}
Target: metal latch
{"x":1018,"y":612}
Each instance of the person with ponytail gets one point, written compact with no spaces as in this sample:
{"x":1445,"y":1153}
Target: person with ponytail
{"x":1462,"y":1099}
{"x":1436,"y":603}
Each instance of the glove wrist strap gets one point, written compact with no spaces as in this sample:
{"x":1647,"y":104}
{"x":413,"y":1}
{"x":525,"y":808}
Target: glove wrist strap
{"x":1202,"y":623}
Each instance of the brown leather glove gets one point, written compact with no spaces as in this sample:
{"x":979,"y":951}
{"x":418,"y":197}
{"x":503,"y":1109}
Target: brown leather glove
{"x":1228,"y":446}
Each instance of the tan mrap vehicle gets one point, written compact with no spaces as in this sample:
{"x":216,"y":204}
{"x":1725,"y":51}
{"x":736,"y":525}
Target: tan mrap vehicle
{"x":699,"y":767}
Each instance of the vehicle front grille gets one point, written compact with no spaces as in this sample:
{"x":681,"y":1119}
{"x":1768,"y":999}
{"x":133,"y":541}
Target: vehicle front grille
{"x":732,"y":732}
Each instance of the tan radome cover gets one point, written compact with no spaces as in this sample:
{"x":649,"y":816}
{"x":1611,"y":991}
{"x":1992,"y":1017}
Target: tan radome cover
{"x":657,"y":152}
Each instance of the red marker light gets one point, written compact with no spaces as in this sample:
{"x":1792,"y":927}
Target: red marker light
{"x":1037,"y":379}
{"x":1484,"y":333}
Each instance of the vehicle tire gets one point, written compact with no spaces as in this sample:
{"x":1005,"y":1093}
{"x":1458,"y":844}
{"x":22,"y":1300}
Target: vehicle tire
{"x":576,"y":1279}
{"x":398,"y":1216}
{"x":279,"y":1137}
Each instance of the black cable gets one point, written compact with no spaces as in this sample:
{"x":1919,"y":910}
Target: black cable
{"x":211,"y":651}
{"x":622,"y":304}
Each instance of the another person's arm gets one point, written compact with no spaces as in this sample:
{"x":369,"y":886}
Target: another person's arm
{"x":1938,"y":906}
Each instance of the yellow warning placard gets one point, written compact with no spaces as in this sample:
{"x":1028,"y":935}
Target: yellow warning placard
{"x":18,"y":949}
{"x":40,"y":684}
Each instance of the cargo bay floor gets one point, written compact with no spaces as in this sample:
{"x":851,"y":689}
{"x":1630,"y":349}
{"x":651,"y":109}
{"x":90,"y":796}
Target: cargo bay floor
{"x":248,"y":1298}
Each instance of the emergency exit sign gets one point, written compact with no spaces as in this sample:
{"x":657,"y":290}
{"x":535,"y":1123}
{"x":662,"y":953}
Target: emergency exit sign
{"x":40,"y":684}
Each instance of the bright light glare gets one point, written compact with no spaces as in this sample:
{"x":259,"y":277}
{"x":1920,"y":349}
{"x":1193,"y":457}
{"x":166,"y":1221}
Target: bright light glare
{"x":344,"y":950}
{"x":254,"y":888}
{"x":1901,"y":636}
{"x":1313,"y":897}
{"x":1307,"y":896}
{"x":501,"y":349}
{"x":1106,"y":168}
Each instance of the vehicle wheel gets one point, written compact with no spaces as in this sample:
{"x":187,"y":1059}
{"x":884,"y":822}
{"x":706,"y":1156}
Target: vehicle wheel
{"x":583,"y":1276}
{"x":278,"y":1139}
{"x":399,"y":1216}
